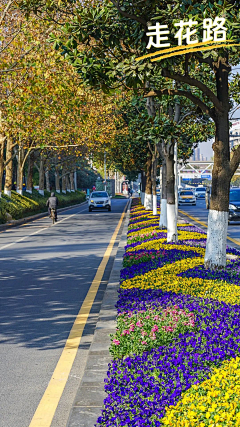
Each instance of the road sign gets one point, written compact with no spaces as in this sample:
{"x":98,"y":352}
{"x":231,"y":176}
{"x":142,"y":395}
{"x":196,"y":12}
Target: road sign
{"x":205,"y":176}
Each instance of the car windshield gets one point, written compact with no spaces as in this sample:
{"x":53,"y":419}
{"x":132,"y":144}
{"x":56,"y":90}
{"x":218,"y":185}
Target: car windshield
{"x":186,"y":193}
{"x":201,"y":189}
{"x":99,"y":194}
{"x":234,"y":196}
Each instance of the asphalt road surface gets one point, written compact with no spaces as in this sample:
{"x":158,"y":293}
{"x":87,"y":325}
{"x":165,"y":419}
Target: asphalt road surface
{"x":45,"y":274}
{"x":200,"y":213}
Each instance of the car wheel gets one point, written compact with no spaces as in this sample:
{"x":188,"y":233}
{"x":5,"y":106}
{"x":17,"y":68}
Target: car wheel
{"x":109,"y":209}
{"x":90,"y":209}
{"x":194,"y":204}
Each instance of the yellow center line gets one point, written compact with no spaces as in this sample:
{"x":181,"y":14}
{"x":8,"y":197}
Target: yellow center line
{"x":49,"y":402}
{"x":237,"y":242}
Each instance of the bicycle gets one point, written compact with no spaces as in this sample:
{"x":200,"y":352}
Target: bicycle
{"x":53,"y":214}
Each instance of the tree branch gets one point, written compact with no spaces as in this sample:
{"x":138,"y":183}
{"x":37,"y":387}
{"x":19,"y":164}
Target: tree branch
{"x":186,"y":94}
{"x":128,"y":15}
{"x":235,"y":160}
{"x":196,"y":83}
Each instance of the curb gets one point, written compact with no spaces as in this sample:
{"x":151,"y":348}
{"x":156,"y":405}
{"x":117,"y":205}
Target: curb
{"x":21,"y":221}
{"x":90,"y":396}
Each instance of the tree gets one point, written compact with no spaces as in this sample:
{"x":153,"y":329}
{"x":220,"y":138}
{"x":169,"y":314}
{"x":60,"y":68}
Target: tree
{"x":201,"y":76}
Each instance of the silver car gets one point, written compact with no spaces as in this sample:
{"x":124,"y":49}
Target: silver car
{"x":99,"y":200}
{"x":186,"y":196}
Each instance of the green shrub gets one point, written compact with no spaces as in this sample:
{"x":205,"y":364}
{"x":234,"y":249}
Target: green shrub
{"x":30,"y":204}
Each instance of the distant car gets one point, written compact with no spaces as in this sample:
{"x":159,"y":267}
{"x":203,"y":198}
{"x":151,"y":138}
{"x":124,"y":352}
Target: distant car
{"x":234,"y":205}
{"x":99,"y":200}
{"x":186,"y":197}
{"x":200,"y":192}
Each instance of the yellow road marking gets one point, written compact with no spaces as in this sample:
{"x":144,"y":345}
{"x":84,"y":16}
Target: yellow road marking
{"x":237,"y":242}
{"x":49,"y":402}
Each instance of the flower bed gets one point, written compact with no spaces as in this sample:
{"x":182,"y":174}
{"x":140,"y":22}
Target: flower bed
{"x":177,"y":344}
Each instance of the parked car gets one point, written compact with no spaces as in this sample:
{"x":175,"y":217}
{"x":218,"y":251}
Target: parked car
{"x":99,"y":200}
{"x":200,"y":192}
{"x":234,"y":205}
{"x":186,"y":196}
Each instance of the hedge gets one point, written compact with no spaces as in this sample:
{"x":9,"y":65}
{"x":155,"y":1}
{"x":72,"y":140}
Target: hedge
{"x":30,"y":204}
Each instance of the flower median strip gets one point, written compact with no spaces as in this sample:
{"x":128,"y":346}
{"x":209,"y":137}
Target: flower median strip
{"x":176,"y":324}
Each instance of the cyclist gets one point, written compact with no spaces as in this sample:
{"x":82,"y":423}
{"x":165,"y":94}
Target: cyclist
{"x":52,"y":203}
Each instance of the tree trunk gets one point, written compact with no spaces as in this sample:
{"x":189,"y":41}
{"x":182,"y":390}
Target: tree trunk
{"x":30,"y":172}
{"x":215,"y":256}
{"x":163,"y":214}
{"x":72,"y":186}
{"x":171,"y":212}
{"x":20,"y":165}
{"x":64,"y":183}
{"x":9,"y":168}
{"x":154,"y":185}
{"x":41,"y":176}
{"x":143,"y":186}
{"x":57,"y":180}
{"x":68,"y":183}
{"x":2,"y":139}
{"x":148,"y":189}
{"x":48,"y":188}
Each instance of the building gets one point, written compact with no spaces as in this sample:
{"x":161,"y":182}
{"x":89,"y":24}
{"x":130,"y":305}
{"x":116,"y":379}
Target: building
{"x":235,"y":134}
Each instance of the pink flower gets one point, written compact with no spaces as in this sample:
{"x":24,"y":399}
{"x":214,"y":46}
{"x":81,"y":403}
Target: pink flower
{"x":155,"y":328}
{"x":131,"y":327}
{"x":125,"y":332}
{"x":116,"y":342}
{"x":153,"y":257}
{"x":144,"y":342}
{"x":139,"y":323}
{"x":147,"y":317}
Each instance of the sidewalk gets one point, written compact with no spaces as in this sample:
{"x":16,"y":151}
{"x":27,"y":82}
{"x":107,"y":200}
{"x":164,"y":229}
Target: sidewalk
{"x":90,"y":396}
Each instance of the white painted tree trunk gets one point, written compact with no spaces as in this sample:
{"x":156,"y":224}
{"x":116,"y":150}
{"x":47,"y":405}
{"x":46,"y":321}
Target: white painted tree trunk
{"x":163,"y":214}
{"x":58,"y":191}
{"x":29,"y":191}
{"x":7,"y":192}
{"x":148,"y":202}
{"x":19,"y":191}
{"x":41,"y":192}
{"x":154,"y":204}
{"x":215,"y":255}
{"x":171,"y":223}
{"x":0,"y":194}
{"x":142,"y":197}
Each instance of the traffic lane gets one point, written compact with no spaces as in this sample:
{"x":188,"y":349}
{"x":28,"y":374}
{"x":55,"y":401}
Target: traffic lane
{"x":12,"y":234}
{"x":44,"y":281}
{"x":201,"y":214}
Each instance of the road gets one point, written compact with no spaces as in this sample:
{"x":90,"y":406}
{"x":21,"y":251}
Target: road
{"x":46,"y":272}
{"x":200,"y":213}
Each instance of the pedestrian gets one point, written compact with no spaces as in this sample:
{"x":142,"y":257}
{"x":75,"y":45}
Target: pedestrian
{"x":207,"y":197}
{"x":52,"y":203}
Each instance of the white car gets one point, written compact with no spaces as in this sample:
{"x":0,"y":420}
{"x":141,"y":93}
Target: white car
{"x":99,"y":200}
{"x":200,"y":192}
{"x":186,"y":197}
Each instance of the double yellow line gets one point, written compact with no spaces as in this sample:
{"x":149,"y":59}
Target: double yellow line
{"x":49,"y":402}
